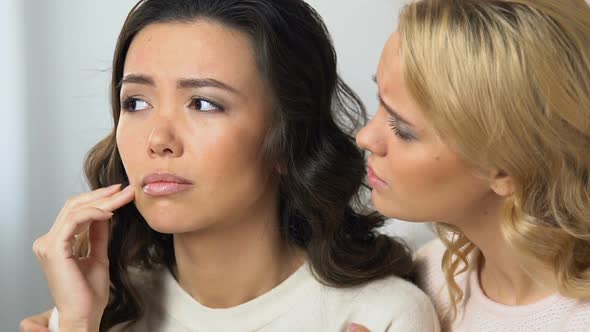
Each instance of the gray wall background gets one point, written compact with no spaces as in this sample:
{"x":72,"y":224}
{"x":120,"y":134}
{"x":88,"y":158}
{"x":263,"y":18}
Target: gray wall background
{"x":54,"y":72}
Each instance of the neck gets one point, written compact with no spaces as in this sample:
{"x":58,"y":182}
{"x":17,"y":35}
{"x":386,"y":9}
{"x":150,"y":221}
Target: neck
{"x":501,"y":273}
{"x":233,"y":264}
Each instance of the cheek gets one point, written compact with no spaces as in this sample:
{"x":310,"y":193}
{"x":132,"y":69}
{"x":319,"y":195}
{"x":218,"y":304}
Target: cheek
{"x":411,"y":168}
{"x":433,"y":187}
{"x":423,"y":176}
{"x":232,"y":153}
{"x":128,"y":145}
{"x":229,"y":168}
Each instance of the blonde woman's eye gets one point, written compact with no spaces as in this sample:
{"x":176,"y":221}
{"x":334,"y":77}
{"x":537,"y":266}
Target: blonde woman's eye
{"x":132,"y":104}
{"x":204,"y":105}
{"x":408,"y":137}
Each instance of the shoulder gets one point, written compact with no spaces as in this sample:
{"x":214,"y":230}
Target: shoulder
{"x":429,"y":273}
{"x":579,"y":319}
{"x":430,"y":255}
{"x":401,"y":298}
{"x":391,"y":302}
{"x":394,"y":292}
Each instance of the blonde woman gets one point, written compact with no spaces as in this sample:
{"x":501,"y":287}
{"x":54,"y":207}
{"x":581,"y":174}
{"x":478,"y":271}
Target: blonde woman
{"x":484,"y":128}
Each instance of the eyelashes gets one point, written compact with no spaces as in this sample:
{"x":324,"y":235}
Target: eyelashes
{"x":397,"y":131}
{"x":204,"y":105}
{"x":129,"y":104}
{"x":135,"y":104}
{"x":393,"y":122}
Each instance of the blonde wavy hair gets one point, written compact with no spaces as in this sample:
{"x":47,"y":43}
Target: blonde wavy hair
{"x":507,"y":85}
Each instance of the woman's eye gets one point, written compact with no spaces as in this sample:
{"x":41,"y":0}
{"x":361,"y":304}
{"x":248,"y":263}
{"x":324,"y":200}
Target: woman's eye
{"x":204,"y":105}
{"x":135,"y":104}
{"x":398,"y":132}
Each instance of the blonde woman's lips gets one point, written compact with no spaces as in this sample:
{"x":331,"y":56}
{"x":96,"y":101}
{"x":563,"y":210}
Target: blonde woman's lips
{"x":374,"y":181}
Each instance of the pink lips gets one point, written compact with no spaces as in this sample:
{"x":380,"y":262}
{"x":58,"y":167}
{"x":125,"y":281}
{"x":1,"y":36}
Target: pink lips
{"x":374,"y":181}
{"x":162,"y":184}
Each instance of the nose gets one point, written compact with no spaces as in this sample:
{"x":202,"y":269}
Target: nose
{"x":369,"y":138}
{"x":164,"y":141}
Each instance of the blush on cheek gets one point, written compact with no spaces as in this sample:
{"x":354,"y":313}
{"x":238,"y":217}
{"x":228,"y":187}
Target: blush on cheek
{"x":122,"y":155}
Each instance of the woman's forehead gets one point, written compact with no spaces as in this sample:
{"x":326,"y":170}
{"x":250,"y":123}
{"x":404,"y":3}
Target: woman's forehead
{"x":199,"y":49}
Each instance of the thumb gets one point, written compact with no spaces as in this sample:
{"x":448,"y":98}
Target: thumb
{"x":353,"y":327}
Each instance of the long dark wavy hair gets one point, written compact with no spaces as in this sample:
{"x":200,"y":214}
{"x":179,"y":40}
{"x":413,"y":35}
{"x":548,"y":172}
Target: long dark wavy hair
{"x":314,"y":117}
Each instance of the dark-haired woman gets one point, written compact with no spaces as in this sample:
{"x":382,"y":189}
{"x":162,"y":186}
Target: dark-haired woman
{"x":224,"y":198}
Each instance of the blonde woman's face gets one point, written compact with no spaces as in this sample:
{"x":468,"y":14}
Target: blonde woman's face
{"x":194,"y":113}
{"x":413,"y":174}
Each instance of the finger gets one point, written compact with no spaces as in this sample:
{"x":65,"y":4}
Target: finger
{"x":44,"y":317}
{"x":77,"y":221}
{"x":117,"y":200}
{"x":29,"y":326}
{"x":357,"y":328}
{"x":85,"y":198}
{"x":36,"y":323}
{"x":98,"y":236}
{"x":108,"y":203}
{"x":94,"y":195}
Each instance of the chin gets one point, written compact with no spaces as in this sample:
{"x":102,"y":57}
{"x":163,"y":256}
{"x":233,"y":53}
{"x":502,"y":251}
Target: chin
{"x":171,"y":225}
{"x":385,"y":207}
{"x":166,"y":219}
{"x":173,"y":221}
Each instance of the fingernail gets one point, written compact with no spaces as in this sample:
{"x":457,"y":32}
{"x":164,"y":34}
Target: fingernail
{"x":353,"y":327}
{"x":114,"y":185}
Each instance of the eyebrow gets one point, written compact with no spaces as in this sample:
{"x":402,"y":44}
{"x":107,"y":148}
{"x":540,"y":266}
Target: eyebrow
{"x":185,"y":83}
{"x":389,"y":109}
{"x":136,"y":79}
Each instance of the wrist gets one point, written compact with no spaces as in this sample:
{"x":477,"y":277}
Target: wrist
{"x":78,"y":325}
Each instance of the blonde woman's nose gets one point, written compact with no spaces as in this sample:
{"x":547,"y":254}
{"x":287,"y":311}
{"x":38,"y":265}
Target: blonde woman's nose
{"x":368,"y":139}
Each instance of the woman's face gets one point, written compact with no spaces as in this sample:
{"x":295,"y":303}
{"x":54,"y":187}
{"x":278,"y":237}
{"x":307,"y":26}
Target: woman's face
{"x":414,"y":175}
{"x":194,"y":114}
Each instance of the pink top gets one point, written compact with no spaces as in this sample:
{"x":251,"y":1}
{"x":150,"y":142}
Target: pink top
{"x":479,"y":313}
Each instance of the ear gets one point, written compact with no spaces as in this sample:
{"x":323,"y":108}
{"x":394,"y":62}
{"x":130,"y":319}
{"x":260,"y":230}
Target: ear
{"x":502,"y":183}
